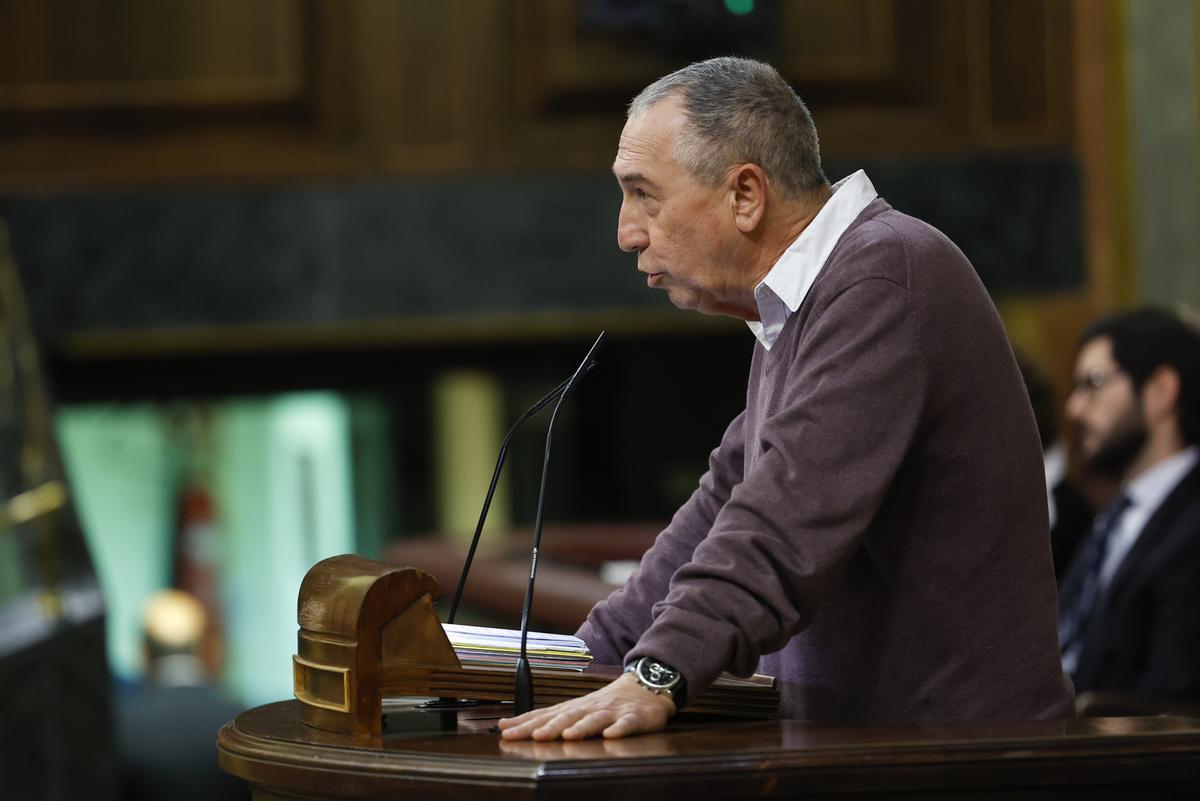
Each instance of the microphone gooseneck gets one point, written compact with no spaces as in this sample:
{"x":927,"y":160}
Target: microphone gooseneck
{"x":523,"y":688}
{"x":487,"y":501}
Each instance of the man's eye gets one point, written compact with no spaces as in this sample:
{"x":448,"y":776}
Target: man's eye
{"x":640,"y":193}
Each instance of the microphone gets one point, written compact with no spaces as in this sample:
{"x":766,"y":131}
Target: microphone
{"x":557,"y":392}
{"x":523,"y":688}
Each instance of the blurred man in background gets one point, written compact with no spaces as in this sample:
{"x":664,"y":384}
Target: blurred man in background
{"x":1130,"y":602}
{"x":167,"y":728}
{"x":1070,"y":511}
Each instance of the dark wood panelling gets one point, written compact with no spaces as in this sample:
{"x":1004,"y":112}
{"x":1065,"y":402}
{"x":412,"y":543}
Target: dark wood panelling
{"x":138,"y":90}
{"x":58,"y":54}
{"x":881,"y":76}
{"x":1023,"y":92}
{"x":854,"y":40}
{"x":419,"y":68}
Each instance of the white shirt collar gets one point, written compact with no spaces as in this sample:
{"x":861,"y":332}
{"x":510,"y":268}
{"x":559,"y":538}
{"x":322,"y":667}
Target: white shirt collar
{"x":1150,"y":488}
{"x":1146,"y":493}
{"x":784,"y":288}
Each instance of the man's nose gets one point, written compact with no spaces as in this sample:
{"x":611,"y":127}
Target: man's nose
{"x":631,"y":233}
{"x":1075,"y":403}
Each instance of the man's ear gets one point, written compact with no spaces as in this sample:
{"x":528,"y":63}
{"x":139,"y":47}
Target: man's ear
{"x":1160,"y":393}
{"x":748,"y":193}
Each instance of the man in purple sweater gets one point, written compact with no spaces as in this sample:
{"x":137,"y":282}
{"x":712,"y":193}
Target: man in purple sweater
{"x":872,"y":529}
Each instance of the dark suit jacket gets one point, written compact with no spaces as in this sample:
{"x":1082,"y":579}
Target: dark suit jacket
{"x":1144,"y":638}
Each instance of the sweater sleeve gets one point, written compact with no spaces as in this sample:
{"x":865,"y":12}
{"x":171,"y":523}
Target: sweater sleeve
{"x":850,"y":408}
{"x":615,"y":624}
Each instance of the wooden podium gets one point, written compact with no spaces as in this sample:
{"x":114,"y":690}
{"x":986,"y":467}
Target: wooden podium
{"x":454,"y":755}
{"x":368,"y":633}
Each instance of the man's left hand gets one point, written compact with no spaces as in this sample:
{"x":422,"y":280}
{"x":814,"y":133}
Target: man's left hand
{"x":620,"y":709}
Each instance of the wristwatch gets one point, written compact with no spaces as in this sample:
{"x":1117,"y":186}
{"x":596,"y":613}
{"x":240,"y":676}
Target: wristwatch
{"x":659,"y":678}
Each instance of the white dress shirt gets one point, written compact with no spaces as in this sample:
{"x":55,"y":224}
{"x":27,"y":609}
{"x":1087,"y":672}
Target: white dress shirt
{"x":784,"y":288}
{"x":1146,"y":493}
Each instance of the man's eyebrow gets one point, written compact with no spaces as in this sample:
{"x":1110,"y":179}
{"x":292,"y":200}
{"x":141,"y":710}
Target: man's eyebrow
{"x":630,"y":178}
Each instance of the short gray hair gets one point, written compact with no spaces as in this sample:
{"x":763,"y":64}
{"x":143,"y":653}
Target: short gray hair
{"x":738,"y":111}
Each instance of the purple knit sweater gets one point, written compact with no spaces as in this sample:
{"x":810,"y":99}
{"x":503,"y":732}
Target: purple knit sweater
{"x":872,"y":529}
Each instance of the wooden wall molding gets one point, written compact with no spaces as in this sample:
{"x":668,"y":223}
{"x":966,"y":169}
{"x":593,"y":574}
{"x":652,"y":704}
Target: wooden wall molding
{"x":60,"y":56}
{"x":208,"y":90}
{"x":215,"y":89}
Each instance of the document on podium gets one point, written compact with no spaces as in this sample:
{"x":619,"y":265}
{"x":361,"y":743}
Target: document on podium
{"x":481,"y":645}
{"x":565,"y":671}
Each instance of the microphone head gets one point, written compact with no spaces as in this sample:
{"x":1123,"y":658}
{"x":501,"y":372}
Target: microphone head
{"x":589,"y":361}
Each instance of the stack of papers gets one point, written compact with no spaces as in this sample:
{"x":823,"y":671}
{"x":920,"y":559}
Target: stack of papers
{"x":479,"y":645}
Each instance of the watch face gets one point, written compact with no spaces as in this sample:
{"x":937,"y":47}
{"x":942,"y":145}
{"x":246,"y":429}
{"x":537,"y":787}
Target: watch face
{"x":656,"y":674}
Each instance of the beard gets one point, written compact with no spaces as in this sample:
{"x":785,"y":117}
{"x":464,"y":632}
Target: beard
{"x":1124,"y":442}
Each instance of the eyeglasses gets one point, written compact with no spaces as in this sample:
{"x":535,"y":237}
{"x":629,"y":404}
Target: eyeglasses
{"x":1094,"y":380}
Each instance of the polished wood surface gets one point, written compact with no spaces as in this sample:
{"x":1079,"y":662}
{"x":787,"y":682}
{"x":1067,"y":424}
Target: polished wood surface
{"x":457,"y":755}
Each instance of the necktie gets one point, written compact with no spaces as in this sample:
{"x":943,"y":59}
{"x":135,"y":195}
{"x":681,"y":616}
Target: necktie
{"x":1075,"y":608}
